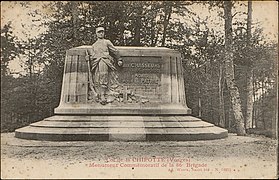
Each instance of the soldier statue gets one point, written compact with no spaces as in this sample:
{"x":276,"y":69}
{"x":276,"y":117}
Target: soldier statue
{"x":102,"y":58}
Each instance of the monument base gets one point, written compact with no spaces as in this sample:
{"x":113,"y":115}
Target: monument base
{"x":121,"y":128}
{"x":97,"y":109}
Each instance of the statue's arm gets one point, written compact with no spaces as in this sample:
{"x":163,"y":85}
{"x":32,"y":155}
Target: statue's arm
{"x":114,"y":53}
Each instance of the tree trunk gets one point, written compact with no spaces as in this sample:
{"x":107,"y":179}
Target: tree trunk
{"x":153,"y":24}
{"x":168,"y":11}
{"x":229,"y":70}
{"x":249,"y":85}
{"x":262,"y":103}
{"x":212,"y":94}
{"x":199,"y":104}
{"x":137,"y":30}
{"x":221,"y":97}
{"x":274,"y":123}
{"x":122,"y":32}
{"x":254,"y":100}
{"x":249,"y":102}
{"x":152,"y":37}
{"x":74,"y":7}
{"x":156,"y":38}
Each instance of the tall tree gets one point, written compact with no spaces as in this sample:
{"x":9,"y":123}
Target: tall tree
{"x":167,"y":8}
{"x":221,"y":94}
{"x":74,"y":9}
{"x":229,"y":70}
{"x":249,"y":73}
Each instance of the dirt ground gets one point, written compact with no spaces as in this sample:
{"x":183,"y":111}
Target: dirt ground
{"x":251,"y":156}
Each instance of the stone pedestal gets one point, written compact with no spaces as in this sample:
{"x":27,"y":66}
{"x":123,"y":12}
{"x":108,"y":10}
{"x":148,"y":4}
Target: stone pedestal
{"x":150,"y":104}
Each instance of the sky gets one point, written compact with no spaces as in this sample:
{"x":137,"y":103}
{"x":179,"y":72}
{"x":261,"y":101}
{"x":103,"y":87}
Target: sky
{"x":264,"y":12}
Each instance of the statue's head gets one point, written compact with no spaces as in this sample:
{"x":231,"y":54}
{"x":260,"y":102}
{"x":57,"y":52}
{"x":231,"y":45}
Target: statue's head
{"x":100,"y":31}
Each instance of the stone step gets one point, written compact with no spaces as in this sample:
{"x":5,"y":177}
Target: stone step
{"x":107,"y":124}
{"x":42,"y":130}
{"x":121,"y":128}
{"x":114,"y":134}
{"x":121,"y":118}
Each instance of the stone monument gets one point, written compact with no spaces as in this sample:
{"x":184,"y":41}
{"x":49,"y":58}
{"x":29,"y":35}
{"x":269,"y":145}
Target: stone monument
{"x":148,"y":104}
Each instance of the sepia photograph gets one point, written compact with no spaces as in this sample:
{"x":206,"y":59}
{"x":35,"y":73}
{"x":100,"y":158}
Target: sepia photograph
{"x":139,"y":89}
